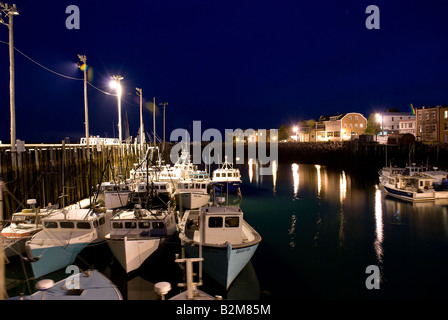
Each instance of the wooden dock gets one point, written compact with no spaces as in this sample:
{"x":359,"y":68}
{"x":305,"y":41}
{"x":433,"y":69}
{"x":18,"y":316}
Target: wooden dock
{"x":46,"y":171}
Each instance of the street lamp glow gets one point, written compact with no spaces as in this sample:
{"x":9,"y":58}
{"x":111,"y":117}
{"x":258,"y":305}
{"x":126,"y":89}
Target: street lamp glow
{"x":115,"y":83}
{"x":295,"y":129}
{"x":378,"y":118}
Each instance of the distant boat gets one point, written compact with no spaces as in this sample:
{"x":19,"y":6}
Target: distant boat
{"x":226,"y":179}
{"x":194,"y":192}
{"x":87,"y":285}
{"x":23,"y":226}
{"x":135,"y":234}
{"x":64,"y":235}
{"x":414,"y":183}
{"x":116,"y":194}
{"x":228,"y":241}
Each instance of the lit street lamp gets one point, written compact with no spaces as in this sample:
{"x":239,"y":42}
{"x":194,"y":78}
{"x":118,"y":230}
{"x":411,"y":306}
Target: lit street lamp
{"x":83,"y":67}
{"x":10,"y":11}
{"x":296,"y":132}
{"x":115,"y":84}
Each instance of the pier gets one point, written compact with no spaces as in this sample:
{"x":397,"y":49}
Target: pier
{"x":47,"y":172}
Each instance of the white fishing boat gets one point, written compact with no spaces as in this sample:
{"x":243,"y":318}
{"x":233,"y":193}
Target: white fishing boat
{"x":86,"y":285}
{"x":228,"y":241}
{"x":116,"y":194}
{"x":64,"y":235}
{"x":226,"y":179}
{"x":192,"y":193}
{"x":415,"y":183}
{"x":23,"y":226}
{"x":135,"y":234}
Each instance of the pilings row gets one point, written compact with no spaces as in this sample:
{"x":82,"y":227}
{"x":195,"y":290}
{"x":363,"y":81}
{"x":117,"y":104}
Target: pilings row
{"x":62,"y":174}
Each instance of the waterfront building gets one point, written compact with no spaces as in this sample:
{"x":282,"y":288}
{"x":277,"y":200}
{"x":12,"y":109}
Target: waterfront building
{"x":340,"y":127}
{"x":432,"y":124}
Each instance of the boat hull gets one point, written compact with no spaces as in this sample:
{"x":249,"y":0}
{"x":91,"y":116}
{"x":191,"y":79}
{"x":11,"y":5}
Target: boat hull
{"x":114,"y":199}
{"x":53,"y":258}
{"x":13,"y":247}
{"x":91,"y":285}
{"x":223,"y":263}
{"x":192,"y":200}
{"x":416,"y":196}
{"x":132,"y":252}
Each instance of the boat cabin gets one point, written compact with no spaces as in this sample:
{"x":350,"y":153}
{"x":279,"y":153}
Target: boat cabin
{"x":223,"y":224}
{"x":141,"y":223}
{"x":193,"y":185}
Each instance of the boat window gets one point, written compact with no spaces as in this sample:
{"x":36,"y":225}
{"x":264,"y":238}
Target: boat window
{"x":130,"y":225}
{"x":158,"y":225}
{"x":117,"y":225}
{"x":50,"y":224}
{"x":215,"y":222}
{"x":229,"y":174}
{"x":83,"y":225}
{"x":143,"y":225}
{"x":95,"y":223}
{"x":102,"y":221}
{"x":218,"y":175}
{"x":203,"y":186}
{"x":162,"y":187}
{"x":67,"y":224}
{"x":198,"y":186}
{"x":232,"y":222}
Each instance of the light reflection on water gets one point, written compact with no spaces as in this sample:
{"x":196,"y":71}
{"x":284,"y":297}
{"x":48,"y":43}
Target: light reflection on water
{"x":328,"y":225}
{"x":321,"y":228}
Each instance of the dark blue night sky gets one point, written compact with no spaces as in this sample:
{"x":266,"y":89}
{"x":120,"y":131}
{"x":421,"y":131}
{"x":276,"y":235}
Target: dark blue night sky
{"x":230,"y":64}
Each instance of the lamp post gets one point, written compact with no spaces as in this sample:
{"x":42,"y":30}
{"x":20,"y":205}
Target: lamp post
{"x":115,"y":83}
{"x":296,"y":132}
{"x":10,"y":11}
{"x":83,"y":67}
{"x":142,"y":137}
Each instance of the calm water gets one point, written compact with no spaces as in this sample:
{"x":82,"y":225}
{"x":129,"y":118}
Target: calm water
{"x":321,"y":228}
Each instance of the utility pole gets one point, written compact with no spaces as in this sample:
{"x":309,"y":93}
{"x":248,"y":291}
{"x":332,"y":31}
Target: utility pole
{"x":154,"y":120}
{"x":164,"y":104}
{"x":117,"y":85}
{"x":10,"y":11}
{"x":142,"y":137}
{"x":83,"y":67}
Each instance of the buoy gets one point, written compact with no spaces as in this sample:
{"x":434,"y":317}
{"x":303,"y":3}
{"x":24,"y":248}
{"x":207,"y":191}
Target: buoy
{"x":162,"y":288}
{"x":44,"y":285}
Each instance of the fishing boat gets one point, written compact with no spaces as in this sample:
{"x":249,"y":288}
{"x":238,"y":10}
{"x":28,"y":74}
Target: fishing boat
{"x":116,"y":194}
{"x":135,"y":234}
{"x":415,"y":183}
{"x":192,"y":193}
{"x":23,"y":226}
{"x":86,"y":285}
{"x":64,"y":235}
{"x":228,"y":242}
{"x":226,"y":179}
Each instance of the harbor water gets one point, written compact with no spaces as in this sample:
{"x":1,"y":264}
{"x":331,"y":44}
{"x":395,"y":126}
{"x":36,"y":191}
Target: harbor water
{"x":321,"y":227}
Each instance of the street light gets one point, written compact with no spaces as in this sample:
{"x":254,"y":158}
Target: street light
{"x":10,"y":11}
{"x":115,"y":84}
{"x":83,"y":67}
{"x":296,"y":130}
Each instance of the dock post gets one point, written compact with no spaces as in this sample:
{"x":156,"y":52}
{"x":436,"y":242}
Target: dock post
{"x":2,"y":257}
{"x":2,"y":216}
